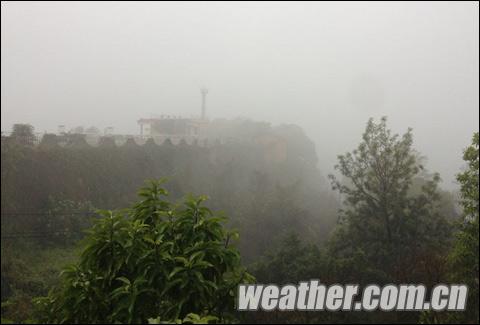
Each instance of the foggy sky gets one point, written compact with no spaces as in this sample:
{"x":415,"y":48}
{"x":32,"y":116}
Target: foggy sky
{"x":327,"y":67}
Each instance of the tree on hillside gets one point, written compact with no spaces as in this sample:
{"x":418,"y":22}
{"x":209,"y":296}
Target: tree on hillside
{"x":464,"y":258}
{"x":92,"y":130}
{"x":155,"y":261}
{"x":23,"y":134}
{"x":395,"y":229}
{"x":78,"y":130}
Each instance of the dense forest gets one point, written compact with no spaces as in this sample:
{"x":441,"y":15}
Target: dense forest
{"x":163,"y":232}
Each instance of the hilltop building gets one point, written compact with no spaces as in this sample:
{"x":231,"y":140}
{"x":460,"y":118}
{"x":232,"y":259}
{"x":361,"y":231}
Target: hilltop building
{"x":174,"y":127}
{"x":171,"y":126}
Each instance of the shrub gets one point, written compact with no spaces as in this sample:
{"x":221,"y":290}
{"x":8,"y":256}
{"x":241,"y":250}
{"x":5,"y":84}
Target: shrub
{"x":156,"y":260}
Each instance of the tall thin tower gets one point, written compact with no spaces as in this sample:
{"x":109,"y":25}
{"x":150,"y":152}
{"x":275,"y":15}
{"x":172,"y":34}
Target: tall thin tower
{"x":204,"y":92}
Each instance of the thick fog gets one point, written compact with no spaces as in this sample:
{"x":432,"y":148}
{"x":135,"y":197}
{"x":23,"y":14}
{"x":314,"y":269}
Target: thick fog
{"x":327,"y":67}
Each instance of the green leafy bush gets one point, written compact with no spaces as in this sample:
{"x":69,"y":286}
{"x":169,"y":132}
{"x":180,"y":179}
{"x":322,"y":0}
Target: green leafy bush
{"x":156,"y":260}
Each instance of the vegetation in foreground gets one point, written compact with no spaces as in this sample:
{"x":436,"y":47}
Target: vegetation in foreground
{"x":155,"y":261}
{"x":161,"y":262}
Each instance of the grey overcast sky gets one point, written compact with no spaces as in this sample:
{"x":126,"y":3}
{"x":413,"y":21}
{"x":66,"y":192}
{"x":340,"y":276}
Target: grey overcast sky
{"x":327,"y":67}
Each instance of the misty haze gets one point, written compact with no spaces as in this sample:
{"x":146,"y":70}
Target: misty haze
{"x":336,"y":140}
